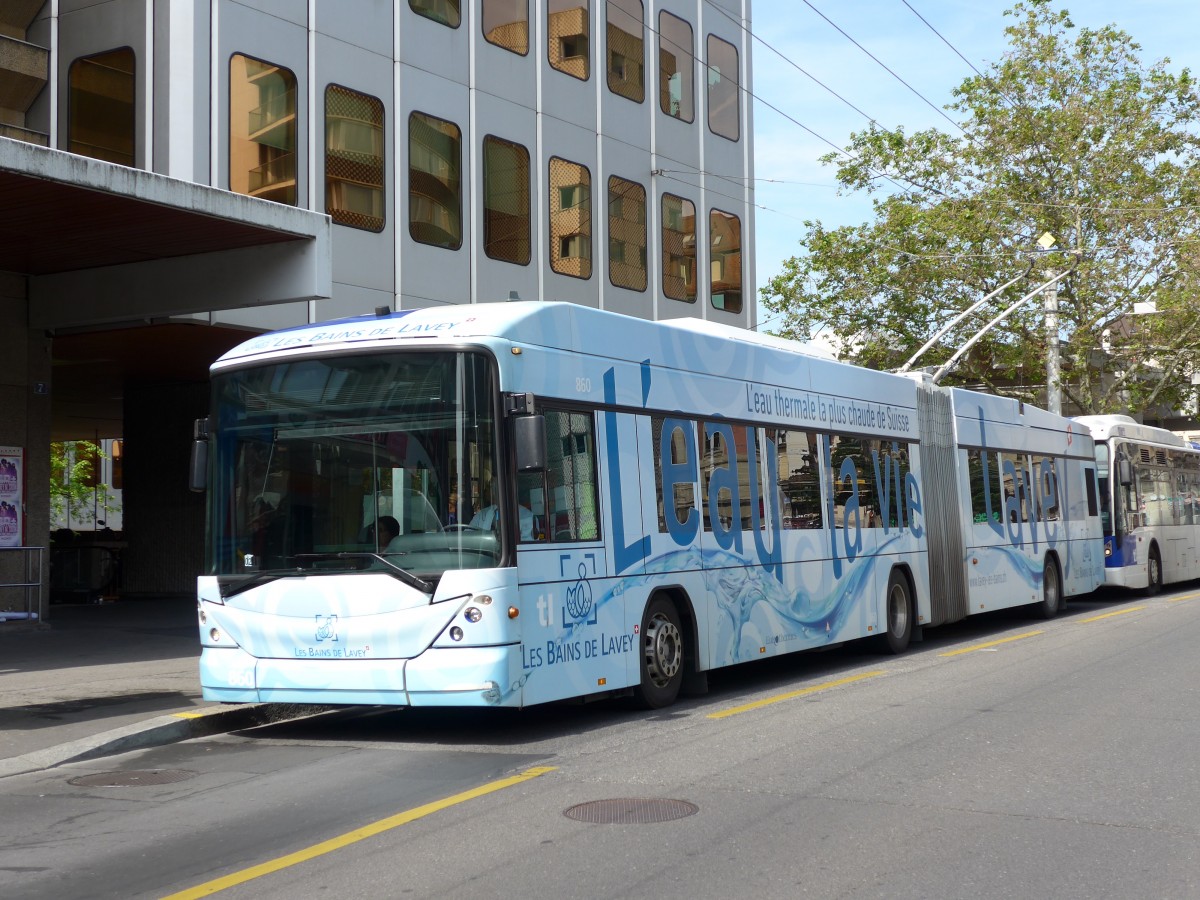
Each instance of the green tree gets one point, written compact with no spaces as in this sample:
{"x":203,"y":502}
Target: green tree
{"x":1071,"y":134}
{"x":75,"y":489}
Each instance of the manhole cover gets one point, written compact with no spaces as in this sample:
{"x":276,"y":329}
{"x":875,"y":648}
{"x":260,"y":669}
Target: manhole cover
{"x":132,"y":779}
{"x":630,"y":811}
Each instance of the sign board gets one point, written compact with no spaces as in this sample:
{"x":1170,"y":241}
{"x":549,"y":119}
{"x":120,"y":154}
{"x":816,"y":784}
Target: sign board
{"x":12,"y":480}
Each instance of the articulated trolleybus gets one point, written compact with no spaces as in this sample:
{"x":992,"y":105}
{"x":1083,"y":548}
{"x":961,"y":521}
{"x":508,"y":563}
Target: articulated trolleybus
{"x":513,"y":503}
{"x":1149,"y":491}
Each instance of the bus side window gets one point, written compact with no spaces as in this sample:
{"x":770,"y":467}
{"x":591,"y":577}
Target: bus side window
{"x":563,"y":499}
{"x":799,"y":479}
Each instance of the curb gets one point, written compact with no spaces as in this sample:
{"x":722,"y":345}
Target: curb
{"x":169,"y":729}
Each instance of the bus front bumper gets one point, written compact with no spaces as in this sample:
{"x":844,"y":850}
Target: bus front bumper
{"x":467,"y":676}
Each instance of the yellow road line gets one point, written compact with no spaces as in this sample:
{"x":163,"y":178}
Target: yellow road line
{"x":1184,"y":597}
{"x":759,"y":704}
{"x":1119,"y":612}
{"x":973,"y":647}
{"x":352,"y":837}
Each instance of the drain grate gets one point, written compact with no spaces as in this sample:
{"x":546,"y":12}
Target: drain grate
{"x":132,"y":779}
{"x":630,"y":811}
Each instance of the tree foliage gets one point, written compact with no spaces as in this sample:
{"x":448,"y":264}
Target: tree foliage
{"x":75,"y":490}
{"x":1071,"y":134}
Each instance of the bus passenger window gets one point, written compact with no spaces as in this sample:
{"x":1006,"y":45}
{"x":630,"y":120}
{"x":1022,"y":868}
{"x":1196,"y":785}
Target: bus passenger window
{"x":681,"y":463}
{"x":799,"y":478}
{"x":850,"y":490}
{"x":563,"y":499}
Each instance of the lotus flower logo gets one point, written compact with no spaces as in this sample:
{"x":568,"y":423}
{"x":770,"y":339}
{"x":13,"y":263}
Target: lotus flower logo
{"x":579,"y":597}
{"x":327,"y":628}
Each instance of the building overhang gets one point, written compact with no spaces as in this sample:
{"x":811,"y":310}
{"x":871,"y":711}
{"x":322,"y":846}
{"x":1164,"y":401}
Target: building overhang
{"x":104,"y":244}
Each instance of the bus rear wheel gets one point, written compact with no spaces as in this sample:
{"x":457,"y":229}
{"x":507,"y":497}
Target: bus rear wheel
{"x":899,"y":613}
{"x":1052,"y":598}
{"x":1154,"y":576}
{"x":661,"y":655}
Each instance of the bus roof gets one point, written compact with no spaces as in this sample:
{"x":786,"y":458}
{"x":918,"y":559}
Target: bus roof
{"x":549,"y":324}
{"x":1105,"y":427}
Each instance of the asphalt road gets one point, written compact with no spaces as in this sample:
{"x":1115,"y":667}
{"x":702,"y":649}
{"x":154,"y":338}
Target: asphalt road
{"x":1001,"y":757}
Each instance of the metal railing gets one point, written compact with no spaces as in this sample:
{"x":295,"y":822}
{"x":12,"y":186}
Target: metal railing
{"x":31,"y":584}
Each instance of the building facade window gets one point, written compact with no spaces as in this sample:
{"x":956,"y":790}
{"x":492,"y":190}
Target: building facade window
{"x":725,"y":260}
{"x":354,"y":168}
{"x":262,"y":130}
{"x":567,"y":43}
{"x":506,"y":217}
{"x":626,"y":68}
{"x":676,"y":68}
{"x":447,"y":12}
{"x":506,"y":24}
{"x":626,"y":234}
{"x":100,"y":107}
{"x":570,"y":218}
{"x":724,"y":113}
{"x":434,"y":181}
{"x":679,"y":248}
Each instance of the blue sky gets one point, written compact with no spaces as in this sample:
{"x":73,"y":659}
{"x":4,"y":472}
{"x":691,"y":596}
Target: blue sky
{"x":792,"y":185}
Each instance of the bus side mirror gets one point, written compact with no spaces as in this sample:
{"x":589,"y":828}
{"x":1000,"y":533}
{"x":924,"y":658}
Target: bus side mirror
{"x":198,"y":468}
{"x":1124,"y":472}
{"x":529,"y":437}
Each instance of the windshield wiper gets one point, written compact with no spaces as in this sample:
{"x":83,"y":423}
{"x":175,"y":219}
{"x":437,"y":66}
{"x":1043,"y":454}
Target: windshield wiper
{"x":404,"y":575}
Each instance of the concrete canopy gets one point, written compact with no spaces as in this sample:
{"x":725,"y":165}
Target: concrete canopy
{"x":112,"y":253}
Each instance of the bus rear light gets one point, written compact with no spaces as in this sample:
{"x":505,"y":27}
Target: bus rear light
{"x":472,"y":614}
{"x":456,"y":633}
{"x":1108,"y":550}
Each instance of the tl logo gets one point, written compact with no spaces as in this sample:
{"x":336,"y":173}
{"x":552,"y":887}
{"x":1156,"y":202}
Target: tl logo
{"x":327,"y":628}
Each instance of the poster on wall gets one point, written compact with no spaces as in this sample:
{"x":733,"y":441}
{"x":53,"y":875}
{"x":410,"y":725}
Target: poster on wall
{"x":11,"y":481}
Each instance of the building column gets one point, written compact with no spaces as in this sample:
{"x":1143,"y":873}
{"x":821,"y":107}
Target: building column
{"x":25,"y":424}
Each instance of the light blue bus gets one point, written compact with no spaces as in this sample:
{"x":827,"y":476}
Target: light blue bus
{"x":513,"y":503}
{"x":1149,"y":491}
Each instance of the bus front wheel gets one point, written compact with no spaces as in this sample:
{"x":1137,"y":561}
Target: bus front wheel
{"x":661,"y":656}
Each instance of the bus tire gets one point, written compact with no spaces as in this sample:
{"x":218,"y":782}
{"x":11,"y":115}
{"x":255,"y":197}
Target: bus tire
{"x":662,"y":647}
{"x":1154,"y":573}
{"x":1052,"y":594}
{"x":898,"y":608}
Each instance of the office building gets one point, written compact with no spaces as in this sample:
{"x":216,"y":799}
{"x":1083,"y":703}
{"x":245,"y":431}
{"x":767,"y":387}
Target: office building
{"x":175,"y":173}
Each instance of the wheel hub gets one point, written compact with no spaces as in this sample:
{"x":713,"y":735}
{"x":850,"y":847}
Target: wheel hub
{"x":664,"y":650}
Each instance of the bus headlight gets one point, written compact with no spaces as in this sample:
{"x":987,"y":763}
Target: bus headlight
{"x":214,"y":635}
{"x":456,"y":633}
{"x":1108,"y":550}
{"x":471,"y":614}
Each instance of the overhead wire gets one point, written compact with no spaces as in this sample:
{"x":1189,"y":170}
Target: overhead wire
{"x":885,"y":67}
{"x":975,"y":69}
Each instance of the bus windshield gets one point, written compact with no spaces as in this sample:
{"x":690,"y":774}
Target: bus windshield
{"x":367,"y":461}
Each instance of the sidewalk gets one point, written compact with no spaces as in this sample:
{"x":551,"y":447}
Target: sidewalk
{"x":99,"y":679}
